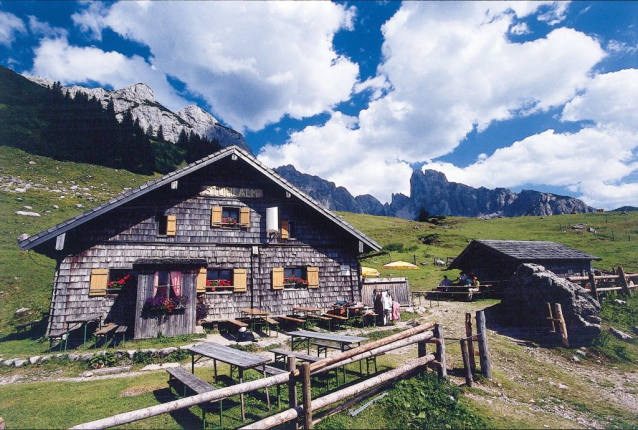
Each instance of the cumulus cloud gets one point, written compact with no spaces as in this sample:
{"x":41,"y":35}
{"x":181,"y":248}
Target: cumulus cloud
{"x":10,"y":27}
{"x":91,"y":19}
{"x":60,"y":61}
{"x":520,"y":28}
{"x":252,"y":62}
{"x":39,"y":28}
{"x":452,"y":68}
{"x":597,"y":162}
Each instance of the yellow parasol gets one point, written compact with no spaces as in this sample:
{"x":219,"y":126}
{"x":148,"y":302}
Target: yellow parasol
{"x":369,"y":272}
{"x":400,"y":265}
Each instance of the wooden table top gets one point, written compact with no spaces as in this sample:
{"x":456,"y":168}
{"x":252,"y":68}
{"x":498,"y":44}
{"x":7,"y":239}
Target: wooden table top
{"x":82,"y":318}
{"x":254,"y":312}
{"x":225,"y":354}
{"x":305,"y":309}
{"x":326,"y":336}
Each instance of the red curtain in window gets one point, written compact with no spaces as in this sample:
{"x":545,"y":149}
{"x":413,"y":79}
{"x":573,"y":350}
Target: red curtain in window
{"x":176,"y":281}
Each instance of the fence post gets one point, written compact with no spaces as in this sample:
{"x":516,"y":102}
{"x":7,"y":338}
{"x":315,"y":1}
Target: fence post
{"x":466,"y":363}
{"x":440,"y":350}
{"x":622,"y":280}
{"x":484,"y":352}
{"x":592,"y":283}
{"x":561,"y":324}
{"x":292,"y":384}
{"x":307,"y":395}
{"x":470,"y":343}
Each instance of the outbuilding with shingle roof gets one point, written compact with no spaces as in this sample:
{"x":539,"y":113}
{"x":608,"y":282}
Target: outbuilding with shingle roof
{"x":495,"y":260}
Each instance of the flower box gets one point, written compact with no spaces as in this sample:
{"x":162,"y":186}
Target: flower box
{"x":165,"y":306}
{"x":296,"y":283}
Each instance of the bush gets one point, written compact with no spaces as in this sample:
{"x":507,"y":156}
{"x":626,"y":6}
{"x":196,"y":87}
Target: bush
{"x":430,"y":239}
{"x":99,"y":361}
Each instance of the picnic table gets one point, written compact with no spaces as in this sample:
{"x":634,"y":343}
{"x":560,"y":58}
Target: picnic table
{"x":254,"y":315}
{"x":341,"y":342}
{"x":82,"y":321}
{"x":235,"y":358}
{"x":325,"y":341}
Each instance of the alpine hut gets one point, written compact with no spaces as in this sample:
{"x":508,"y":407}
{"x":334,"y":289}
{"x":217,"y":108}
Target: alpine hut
{"x":225,"y":231}
{"x":497,"y":260}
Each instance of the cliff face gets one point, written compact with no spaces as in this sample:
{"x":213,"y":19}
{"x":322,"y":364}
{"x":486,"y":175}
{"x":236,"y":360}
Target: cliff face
{"x":140,"y":101}
{"x":431,"y":189}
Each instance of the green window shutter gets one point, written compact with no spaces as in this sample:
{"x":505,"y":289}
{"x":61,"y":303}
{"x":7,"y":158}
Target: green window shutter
{"x":99,"y":281}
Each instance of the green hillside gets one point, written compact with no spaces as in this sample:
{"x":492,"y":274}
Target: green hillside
{"x":615,"y":240}
{"x":25,"y":277}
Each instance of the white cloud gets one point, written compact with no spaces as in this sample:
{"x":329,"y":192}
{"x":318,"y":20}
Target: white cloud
{"x":621,"y":47}
{"x":451,"y":68}
{"x":56,"y":59}
{"x":39,"y":28}
{"x":10,"y":27}
{"x":556,"y":13}
{"x":253,"y":62}
{"x":91,"y":20}
{"x":520,"y":28}
{"x":597,"y":162}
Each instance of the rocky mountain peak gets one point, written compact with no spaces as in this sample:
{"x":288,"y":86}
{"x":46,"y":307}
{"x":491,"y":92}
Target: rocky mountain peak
{"x":140,"y":100}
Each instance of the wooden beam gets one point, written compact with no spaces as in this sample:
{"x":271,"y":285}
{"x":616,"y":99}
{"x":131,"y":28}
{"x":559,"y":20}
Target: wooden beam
{"x":466,"y":363}
{"x":484,"y":352}
{"x":336,"y":396}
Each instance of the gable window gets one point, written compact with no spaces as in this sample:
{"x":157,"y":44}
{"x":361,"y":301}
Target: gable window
{"x":295,"y":278}
{"x":288,"y":229}
{"x":230,"y":216}
{"x":121,"y":279}
{"x":219,"y":280}
{"x":166,"y":225}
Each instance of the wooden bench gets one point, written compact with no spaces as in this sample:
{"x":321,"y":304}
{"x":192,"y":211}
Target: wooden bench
{"x":281,"y":355}
{"x":272,"y":323}
{"x":104,"y":332}
{"x":121,"y":331}
{"x":228,"y":323}
{"x":57,"y":335}
{"x":338,"y":319}
{"x":191,"y":382}
{"x":272,"y":371}
{"x":293,"y":320}
{"x":324,"y":346}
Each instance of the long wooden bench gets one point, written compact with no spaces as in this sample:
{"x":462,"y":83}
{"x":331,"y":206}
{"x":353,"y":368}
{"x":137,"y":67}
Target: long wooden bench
{"x":226,"y":324}
{"x":121,"y":331}
{"x":324,"y":347}
{"x":292,"y":320}
{"x":281,"y":355}
{"x":272,"y":323}
{"x":104,"y":332}
{"x":191,"y":382}
{"x":338,"y":319}
{"x":272,"y":371}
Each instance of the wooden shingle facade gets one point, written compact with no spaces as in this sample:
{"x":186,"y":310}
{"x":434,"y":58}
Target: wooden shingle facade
{"x":201,"y":233}
{"x":496,"y":260}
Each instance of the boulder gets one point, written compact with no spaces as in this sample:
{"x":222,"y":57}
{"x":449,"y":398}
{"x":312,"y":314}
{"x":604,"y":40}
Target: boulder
{"x":529,"y":290}
{"x":620,"y":334}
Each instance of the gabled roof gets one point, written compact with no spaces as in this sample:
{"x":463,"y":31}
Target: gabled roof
{"x":526,"y":251}
{"x":48,"y":234}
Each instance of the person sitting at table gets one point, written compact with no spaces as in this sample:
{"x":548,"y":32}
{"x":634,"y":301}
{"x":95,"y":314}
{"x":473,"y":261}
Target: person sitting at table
{"x":462,"y":279}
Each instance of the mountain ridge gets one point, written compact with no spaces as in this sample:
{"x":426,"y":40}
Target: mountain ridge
{"x":140,"y":100}
{"x":432,"y":191}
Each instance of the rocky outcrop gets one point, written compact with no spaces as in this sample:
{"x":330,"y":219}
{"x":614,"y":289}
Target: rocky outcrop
{"x":432,"y":191}
{"x":140,"y":101}
{"x":525,"y":299}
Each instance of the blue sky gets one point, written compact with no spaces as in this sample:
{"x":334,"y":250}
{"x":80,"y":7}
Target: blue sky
{"x":539,"y":95}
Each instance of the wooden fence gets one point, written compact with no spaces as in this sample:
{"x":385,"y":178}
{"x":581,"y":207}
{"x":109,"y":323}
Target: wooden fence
{"x":398,"y":288}
{"x":421,"y":335}
{"x":620,"y":281}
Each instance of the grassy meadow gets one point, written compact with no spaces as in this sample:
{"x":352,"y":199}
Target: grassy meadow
{"x":52,"y":402}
